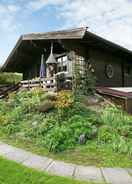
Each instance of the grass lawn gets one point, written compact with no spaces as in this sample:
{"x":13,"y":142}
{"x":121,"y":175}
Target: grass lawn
{"x":84,"y":155}
{"x":13,"y":173}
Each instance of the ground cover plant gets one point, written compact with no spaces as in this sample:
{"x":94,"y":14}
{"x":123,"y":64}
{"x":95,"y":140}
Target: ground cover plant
{"x":56,"y":122}
{"x":10,"y":78}
{"x":13,"y":173}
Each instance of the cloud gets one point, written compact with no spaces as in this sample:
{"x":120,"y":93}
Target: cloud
{"x":8,"y":28}
{"x":111,"y":19}
{"x":13,"y":8}
{"x":7,"y":17}
{"x":36,"y":5}
{"x":108,"y":18}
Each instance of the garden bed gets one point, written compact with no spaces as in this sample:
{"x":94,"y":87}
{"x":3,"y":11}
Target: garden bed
{"x":51,"y":125}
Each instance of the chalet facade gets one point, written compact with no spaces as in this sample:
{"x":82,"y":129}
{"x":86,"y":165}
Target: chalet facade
{"x":110,"y":63}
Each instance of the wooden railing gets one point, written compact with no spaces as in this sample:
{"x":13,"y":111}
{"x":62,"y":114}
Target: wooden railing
{"x":6,"y":89}
{"x":48,"y":84}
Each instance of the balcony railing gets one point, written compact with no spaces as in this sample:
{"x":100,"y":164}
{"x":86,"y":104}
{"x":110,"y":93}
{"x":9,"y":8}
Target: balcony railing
{"x":48,"y":84}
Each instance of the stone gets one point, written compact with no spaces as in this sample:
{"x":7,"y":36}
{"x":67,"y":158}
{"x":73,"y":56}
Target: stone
{"x":82,"y":139}
{"x":5,"y":148}
{"x":129,"y":171}
{"x":61,"y":168}
{"x":88,"y":174}
{"x":91,"y":173}
{"x":37,"y":162}
{"x":18,"y":155}
{"x":116,"y":176}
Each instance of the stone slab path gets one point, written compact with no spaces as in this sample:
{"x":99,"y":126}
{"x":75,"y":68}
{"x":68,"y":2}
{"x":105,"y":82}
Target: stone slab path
{"x":90,"y":173}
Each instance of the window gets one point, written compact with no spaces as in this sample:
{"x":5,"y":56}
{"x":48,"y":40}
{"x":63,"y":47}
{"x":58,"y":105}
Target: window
{"x":62,"y":64}
{"x":59,"y":60}
{"x":64,"y":58}
{"x":59,"y":69}
{"x":65,"y":68}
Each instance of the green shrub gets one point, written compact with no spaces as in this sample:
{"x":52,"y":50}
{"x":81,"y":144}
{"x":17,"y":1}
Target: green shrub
{"x":10,"y":78}
{"x":39,"y":125}
{"x":3,"y":120}
{"x":18,"y":114}
{"x":125,"y":130}
{"x":45,"y":128}
{"x":47,"y":124}
{"x":105,"y":134}
{"x":81,"y":125}
{"x":59,"y":139}
{"x":11,"y":128}
{"x":115,"y":117}
{"x":117,"y":129}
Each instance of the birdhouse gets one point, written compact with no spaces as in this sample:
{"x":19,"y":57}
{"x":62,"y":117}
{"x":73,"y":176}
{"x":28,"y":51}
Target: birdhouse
{"x":51,"y":63}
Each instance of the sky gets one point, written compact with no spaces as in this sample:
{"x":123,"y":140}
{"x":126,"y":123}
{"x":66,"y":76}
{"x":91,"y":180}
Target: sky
{"x":111,"y":19}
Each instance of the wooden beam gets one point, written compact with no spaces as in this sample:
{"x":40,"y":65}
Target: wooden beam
{"x":66,"y":34}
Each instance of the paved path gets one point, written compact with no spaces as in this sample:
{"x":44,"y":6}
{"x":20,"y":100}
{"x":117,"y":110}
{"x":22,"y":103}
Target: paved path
{"x":90,"y":173}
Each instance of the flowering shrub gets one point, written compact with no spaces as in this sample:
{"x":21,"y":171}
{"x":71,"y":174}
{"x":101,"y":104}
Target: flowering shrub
{"x":64,"y":99}
{"x":63,"y":102}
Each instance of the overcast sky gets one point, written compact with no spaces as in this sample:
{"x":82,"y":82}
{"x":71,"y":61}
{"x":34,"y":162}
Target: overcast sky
{"x":111,"y":19}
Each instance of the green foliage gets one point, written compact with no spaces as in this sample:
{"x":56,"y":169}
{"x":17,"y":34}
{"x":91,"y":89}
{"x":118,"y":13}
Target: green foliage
{"x":89,"y":83}
{"x":117,"y":132}
{"x":84,"y":80}
{"x":12,"y":128}
{"x":59,"y":138}
{"x":39,"y":125}
{"x":82,"y":125}
{"x":48,"y":132}
{"x":67,"y":135}
{"x":105,"y":134}
{"x":10,"y":78}
{"x":19,"y":115}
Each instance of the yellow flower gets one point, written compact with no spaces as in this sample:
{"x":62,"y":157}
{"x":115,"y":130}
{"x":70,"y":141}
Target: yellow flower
{"x":64,"y":99}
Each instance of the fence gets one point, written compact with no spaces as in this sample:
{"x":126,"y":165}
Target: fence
{"x":48,"y":84}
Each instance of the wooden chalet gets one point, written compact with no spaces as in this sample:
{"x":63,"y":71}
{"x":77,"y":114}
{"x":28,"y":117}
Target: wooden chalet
{"x":110,"y":62}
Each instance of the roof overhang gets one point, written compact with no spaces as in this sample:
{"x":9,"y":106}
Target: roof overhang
{"x":30,"y":46}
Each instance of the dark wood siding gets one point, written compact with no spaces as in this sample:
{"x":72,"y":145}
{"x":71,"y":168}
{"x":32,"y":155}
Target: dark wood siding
{"x":100,"y":59}
{"x":32,"y":71}
{"x":127,"y":74}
